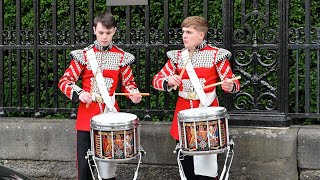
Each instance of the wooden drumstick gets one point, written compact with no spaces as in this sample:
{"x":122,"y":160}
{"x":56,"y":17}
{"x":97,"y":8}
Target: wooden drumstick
{"x":218,"y":83}
{"x":184,"y":68}
{"x":125,"y":94}
{"x":128,"y":94}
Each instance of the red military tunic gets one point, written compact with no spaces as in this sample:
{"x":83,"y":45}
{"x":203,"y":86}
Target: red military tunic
{"x":115,"y":66}
{"x":211,"y":65}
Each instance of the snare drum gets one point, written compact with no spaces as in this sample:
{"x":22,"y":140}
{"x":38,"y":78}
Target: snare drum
{"x":115,"y":136}
{"x":203,"y":130}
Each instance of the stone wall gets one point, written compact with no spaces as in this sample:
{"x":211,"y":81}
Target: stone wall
{"x":45,"y":149}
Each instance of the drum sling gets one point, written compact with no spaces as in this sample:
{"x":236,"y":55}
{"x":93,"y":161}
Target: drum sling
{"x":100,"y":81}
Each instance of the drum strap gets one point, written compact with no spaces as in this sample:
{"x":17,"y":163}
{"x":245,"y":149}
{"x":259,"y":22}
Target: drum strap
{"x":193,"y":77}
{"x":100,"y":81}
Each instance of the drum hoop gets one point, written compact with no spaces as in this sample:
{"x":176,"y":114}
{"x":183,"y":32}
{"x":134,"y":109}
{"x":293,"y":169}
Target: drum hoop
{"x":116,"y":126}
{"x":192,"y":153}
{"x":201,"y":118}
{"x":116,"y":160}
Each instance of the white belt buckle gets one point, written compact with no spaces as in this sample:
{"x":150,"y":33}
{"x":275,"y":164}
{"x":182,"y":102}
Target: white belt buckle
{"x":191,"y":95}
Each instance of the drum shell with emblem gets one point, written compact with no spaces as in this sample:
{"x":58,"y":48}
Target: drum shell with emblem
{"x":115,"y":136}
{"x":203,"y":130}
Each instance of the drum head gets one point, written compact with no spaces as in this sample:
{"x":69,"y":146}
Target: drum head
{"x":113,"y":119}
{"x":202,"y":113}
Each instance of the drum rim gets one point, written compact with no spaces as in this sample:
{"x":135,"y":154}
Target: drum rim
{"x":115,"y":126}
{"x":203,"y":116}
{"x":129,"y":125}
{"x":108,"y":123}
{"x":117,"y":160}
{"x":192,"y":153}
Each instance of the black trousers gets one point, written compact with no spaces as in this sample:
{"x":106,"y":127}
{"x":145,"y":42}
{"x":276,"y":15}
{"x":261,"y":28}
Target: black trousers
{"x":188,"y":168}
{"x":83,"y":144}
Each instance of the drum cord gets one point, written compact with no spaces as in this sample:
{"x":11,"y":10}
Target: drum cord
{"x":181,"y":172}
{"x":141,"y":153}
{"x":90,"y":165}
{"x":136,"y":172}
{"x":225,"y":173}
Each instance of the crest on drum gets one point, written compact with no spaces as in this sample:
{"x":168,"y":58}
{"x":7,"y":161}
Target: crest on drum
{"x":115,"y":138}
{"x":203,"y":130}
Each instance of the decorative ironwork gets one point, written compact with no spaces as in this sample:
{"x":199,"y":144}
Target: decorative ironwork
{"x":264,"y":51}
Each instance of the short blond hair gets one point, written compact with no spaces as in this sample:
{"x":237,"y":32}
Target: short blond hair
{"x":196,"y":22}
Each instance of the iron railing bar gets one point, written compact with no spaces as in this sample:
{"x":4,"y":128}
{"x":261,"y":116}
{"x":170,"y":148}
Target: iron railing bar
{"x":18,"y":53}
{"x":283,"y":69}
{"x":36,"y":9}
{"x":307,"y":57}
{"x":91,"y":14}
{"x":147,"y":54}
{"x":128,"y":26}
{"x":185,"y":8}
{"x":297,"y":82}
{"x":72,"y":24}
{"x":303,"y":46}
{"x":318,"y":80}
{"x":55,"y":53}
{"x":227,"y":20}
{"x":205,"y":9}
{"x":2,"y":113}
{"x":166,"y":42}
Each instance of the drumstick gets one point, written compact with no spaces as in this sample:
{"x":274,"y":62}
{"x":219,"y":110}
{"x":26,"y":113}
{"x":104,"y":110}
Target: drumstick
{"x":216,"y":84}
{"x":128,"y":94}
{"x":125,"y":94}
{"x":184,"y":68}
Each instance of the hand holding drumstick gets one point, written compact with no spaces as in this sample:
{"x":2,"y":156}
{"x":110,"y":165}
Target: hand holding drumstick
{"x":226,"y":85}
{"x":179,"y":79}
{"x":135,"y":97}
{"x":175,"y":80}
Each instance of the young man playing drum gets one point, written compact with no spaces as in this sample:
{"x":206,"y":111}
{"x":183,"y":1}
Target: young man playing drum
{"x":192,"y":68}
{"x":101,"y":65}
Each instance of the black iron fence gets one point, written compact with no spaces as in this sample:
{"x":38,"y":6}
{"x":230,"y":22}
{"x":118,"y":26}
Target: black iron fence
{"x":276,"y":55}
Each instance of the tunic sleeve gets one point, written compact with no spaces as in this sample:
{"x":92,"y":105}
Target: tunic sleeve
{"x":160,"y":80}
{"x":224,"y":68}
{"x":67,"y":83}
{"x":127,"y":78}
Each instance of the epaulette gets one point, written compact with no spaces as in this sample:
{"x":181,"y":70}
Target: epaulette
{"x":223,"y":54}
{"x":88,"y":47}
{"x":78,"y":55}
{"x":173,"y":55}
{"x":127,"y":59}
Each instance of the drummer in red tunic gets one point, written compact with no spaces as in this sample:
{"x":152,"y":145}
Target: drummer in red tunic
{"x":96,"y":95}
{"x":202,"y":65}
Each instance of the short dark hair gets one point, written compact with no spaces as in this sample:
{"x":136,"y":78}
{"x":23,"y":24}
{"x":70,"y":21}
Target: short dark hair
{"x":106,"y":19}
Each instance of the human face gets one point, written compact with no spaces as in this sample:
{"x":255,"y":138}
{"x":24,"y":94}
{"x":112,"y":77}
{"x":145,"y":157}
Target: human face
{"x":191,"y":37}
{"x":104,"y":35}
